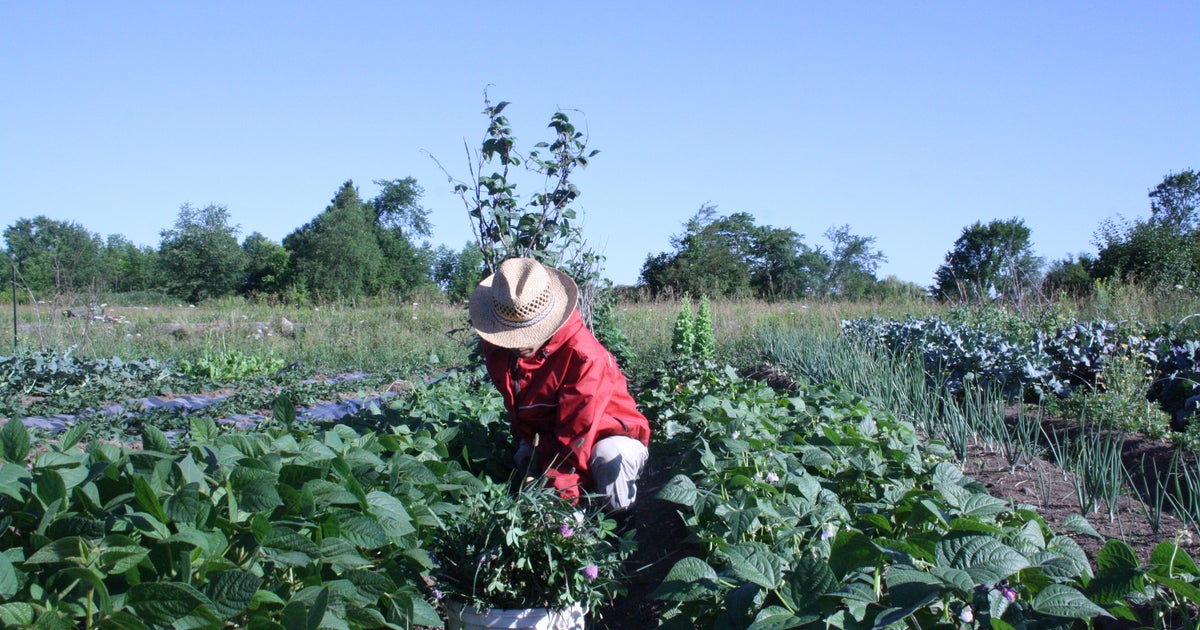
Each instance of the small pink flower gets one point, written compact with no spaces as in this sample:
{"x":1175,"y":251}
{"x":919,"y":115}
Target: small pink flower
{"x":591,"y":572}
{"x":828,"y":530}
{"x":566,"y":530}
{"x":772,"y":477}
{"x":967,"y":615}
{"x":438,"y":594}
{"x":1008,"y":594}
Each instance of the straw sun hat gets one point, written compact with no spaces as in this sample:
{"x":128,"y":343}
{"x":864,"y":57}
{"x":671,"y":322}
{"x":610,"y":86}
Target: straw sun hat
{"x":523,"y":304}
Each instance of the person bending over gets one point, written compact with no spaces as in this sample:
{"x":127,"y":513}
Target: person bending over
{"x":568,"y":402}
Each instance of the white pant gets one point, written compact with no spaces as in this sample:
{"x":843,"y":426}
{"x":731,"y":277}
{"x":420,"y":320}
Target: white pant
{"x":616,"y":465}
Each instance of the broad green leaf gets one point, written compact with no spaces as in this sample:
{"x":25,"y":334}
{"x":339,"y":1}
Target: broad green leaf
{"x":680,"y":490}
{"x":777,"y":618}
{"x":184,"y":505}
{"x":17,"y":615}
{"x":163,"y":603}
{"x":1078,"y":523}
{"x":1117,"y":573}
{"x":202,"y":429}
{"x":73,"y":435}
{"x":341,"y":554}
{"x":371,"y":585}
{"x":325,"y":493}
{"x":15,"y":481}
{"x":14,"y":442}
{"x":1168,"y":560}
{"x":361,"y":530}
{"x":1061,"y":600}
{"x":850,"y":551}
{"x":284,"y":410}
{"x":1181,"y":588}
{"x":254,"y":489}
{"x":391,"y":515}
{"x":155,"y":440}
{"x":982,"y":506}
{"x":289,"y":548}
{"x":146,"y":498}
{"x":231,"y":592}
{"x":61,"y":550}
{"x":910,"y":589}
{"x":117,"y":560}
{"x":755,"y":562}
{"x":805,"y":583}
{"x":49,"y":488}
{"x":987,"y":559}
{"x":690,"y":579}
{"x":9,"y":579}
{"x":1068,"y":549}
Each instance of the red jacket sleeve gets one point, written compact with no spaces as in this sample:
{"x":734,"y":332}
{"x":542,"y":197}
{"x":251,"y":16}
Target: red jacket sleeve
{"x":582,"y":401}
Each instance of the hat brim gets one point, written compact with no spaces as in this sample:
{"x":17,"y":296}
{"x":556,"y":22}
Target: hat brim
{"x":491,"y":329}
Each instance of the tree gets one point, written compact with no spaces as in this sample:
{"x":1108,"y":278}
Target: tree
{"x":54,"y":256}
{"x":200,"y":257}
{"x":852,"y":263}
{"x":1163,"y":250}
{"x":989,"y":261}
{"x":337,"y":254}
{"x":712,"y":257}
{"x":126,"y":266}
{"x":266,"y":266}
{"x":1070,"y":276}
{"x":458,"y":273}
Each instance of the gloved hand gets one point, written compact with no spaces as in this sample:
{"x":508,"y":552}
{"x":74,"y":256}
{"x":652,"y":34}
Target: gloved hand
{"x":523,"y":456}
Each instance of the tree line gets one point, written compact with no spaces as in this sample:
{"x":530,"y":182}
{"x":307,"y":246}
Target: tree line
{"x":730,"y":256}
{"x":354,"y":248}
{"x":369,"y":247}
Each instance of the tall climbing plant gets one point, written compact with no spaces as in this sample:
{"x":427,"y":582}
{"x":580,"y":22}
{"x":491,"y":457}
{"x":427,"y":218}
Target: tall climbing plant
{"x":544,"y":225}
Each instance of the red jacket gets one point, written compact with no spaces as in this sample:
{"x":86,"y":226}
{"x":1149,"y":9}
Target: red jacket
{"x":569,"y":394}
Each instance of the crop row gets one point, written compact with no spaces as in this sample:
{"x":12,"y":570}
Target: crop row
{"x":814,"y":508}
{"x":1044,"y":364}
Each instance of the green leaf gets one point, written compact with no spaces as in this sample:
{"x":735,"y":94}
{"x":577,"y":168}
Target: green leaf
{"x":9,"y":579}
{"x":777,"y":618}
{"x":805,"y":583}
{"x":987,"y":560}
{"x":17,"y":615}
{"x":1117,"y":573}
{"x":1061,"y":600}
{"x":231,"y":592}
{"x":61,"y":550}
{"x":147,"y":499}
{"x":341,"y":554}
{"x":284,"y":410}
{"x":155,"y":440}
{"x":851,"y":550}
{"x":184,"y":505}
{"x":254,"y":489}
{"x":162,"y":603}
{"x":1078,"y":523}
{"x":680,"y":490}
{"x":690,"y":579}
{"x":361,"y":530}
{"x":73,"y":435}
{"x":201,"y":429}
{"x":755,"y":562}
{"x":391,"y":515}
{"x":1168,"y":560}
{"x":117,"y":560}
{"x":14,"y":442}
{"x":911,"y":589}
{"x":15,"y":481}
{"x":289,"y":548}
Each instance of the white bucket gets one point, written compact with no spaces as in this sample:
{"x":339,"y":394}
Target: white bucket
{"x":470,"y":618}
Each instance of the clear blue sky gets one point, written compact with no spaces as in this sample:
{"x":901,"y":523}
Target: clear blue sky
{"x":906,"y":120}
